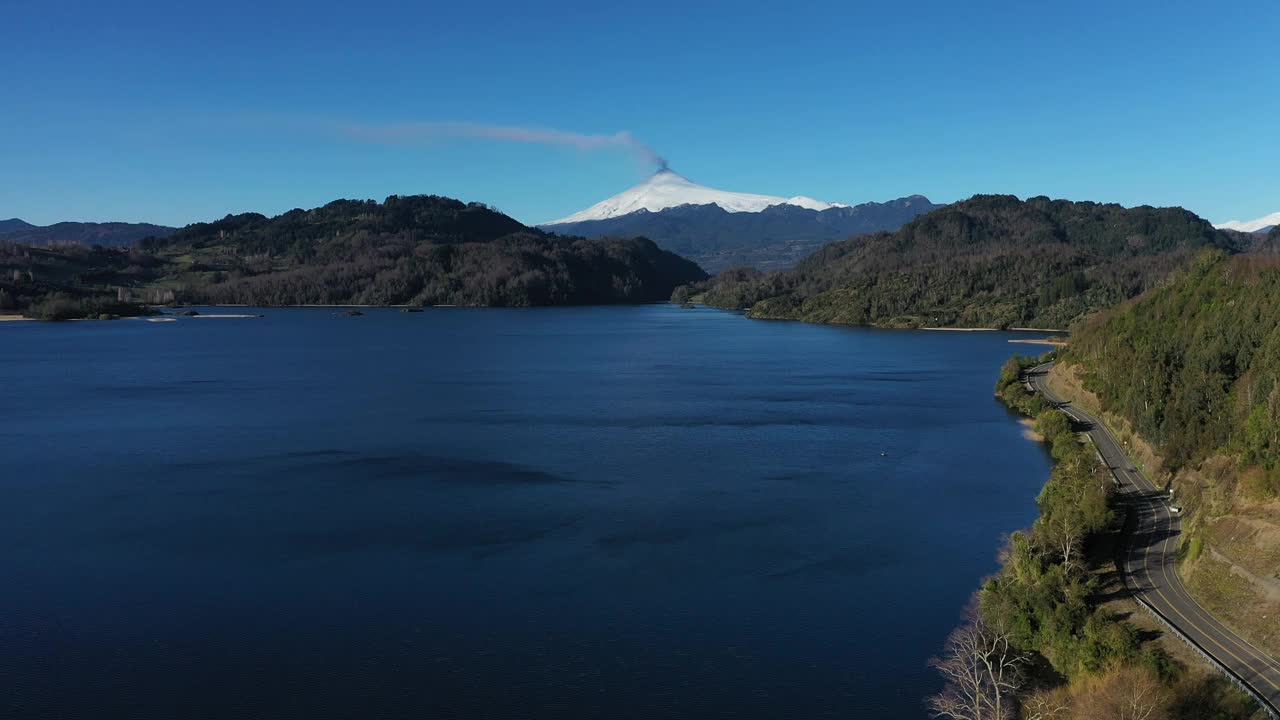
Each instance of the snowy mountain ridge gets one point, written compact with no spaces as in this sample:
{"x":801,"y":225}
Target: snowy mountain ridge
{"x":668,"y":189}
{"x":1261,"y":223}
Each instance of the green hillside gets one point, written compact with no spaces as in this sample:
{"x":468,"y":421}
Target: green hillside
{"x":990,"y":261}
{"x":419,"y":250}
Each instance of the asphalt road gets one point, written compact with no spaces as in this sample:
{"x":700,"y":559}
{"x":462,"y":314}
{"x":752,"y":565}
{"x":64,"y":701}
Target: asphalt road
{"x":1150,"y":560}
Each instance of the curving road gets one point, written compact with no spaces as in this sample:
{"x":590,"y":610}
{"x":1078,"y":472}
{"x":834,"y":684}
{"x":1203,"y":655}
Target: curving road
{"x":1149,"y":562}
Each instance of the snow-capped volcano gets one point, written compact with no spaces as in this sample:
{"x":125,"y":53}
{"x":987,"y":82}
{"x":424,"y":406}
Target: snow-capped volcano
{"x":1261,"y":223}
{"x":667,"y":189}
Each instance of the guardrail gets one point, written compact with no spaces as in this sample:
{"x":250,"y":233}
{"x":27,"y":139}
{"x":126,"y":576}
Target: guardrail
{"x":1231,"y":675}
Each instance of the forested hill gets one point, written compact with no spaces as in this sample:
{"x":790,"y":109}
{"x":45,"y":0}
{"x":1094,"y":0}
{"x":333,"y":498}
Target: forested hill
{"x":1193,"y":368}
{"x":989,"y":261}
{"x":419,"y":250}
{"x":1273,"y":239}
{"x":1195,"y":365}
{"x":306,"y":233}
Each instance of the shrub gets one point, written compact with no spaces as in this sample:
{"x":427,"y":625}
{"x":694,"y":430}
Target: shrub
{"x":56,"y":307}
{"x":1194,"y":548}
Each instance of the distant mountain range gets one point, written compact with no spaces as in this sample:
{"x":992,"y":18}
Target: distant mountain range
{"x":107,"y":234}
{"x":719,"y":229}
{"x":1261,"y":225}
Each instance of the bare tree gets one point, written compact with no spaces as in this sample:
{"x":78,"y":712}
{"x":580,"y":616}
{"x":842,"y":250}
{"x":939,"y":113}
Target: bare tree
{"x":1047,"y":705}
{"x":1066,"y":535}
{"x":983,"y":675}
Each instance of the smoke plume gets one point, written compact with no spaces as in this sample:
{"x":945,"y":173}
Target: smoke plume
{"x":426,"y":132}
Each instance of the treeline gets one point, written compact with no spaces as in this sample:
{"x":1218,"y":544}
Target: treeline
{"x":1038,"y":644}
{"x":1195,"y":365}
{"x":1041,"y":596}
{"x":423,"y":250}
{"x":990,"y":261}
{"x":322,"y":234}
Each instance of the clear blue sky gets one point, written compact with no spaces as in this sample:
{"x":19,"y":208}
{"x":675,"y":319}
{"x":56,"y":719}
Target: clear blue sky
{"x":168,"y":113}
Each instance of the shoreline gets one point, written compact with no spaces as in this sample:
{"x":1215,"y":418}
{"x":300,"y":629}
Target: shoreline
{"x":1159,"y":595}
{"x":311,"y":305}
{"x":987,"y":329}
{"x":1041,"y":341}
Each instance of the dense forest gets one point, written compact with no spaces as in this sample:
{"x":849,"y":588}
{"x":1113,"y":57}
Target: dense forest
{"x":1190,"y":372}
{"x":1194,"y":366}
{"x":990,"y":261}
{"x":419,"y":250}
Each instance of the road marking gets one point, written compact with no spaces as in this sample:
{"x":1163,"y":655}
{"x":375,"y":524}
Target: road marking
{"x":1228,"y":634}
{"x":1167,"y":518}
{"x":1156,"y":589}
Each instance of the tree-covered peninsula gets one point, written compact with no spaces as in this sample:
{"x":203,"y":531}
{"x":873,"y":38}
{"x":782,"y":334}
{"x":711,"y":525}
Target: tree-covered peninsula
{"x":414,"y":250}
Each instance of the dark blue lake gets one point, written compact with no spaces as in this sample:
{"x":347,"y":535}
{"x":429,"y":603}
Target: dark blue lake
{"x":633,"y":512}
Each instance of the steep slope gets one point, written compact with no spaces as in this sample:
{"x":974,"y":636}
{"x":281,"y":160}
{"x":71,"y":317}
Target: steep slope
{"x":108,"y":234}
{"x":990,"y":261}
{"x":1193,"y":370}
{"x":772,"y":238}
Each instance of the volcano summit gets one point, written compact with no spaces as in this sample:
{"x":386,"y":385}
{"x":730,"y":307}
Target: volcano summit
{"x":667,"y":189}
{"x":719,"y":228}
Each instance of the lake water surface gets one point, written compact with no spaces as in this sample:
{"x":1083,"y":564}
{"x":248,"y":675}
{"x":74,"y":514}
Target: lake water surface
{"x":631,"y":512}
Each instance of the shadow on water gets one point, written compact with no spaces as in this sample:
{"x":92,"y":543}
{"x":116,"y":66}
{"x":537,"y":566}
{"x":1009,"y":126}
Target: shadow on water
{"x":357,"y":467}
